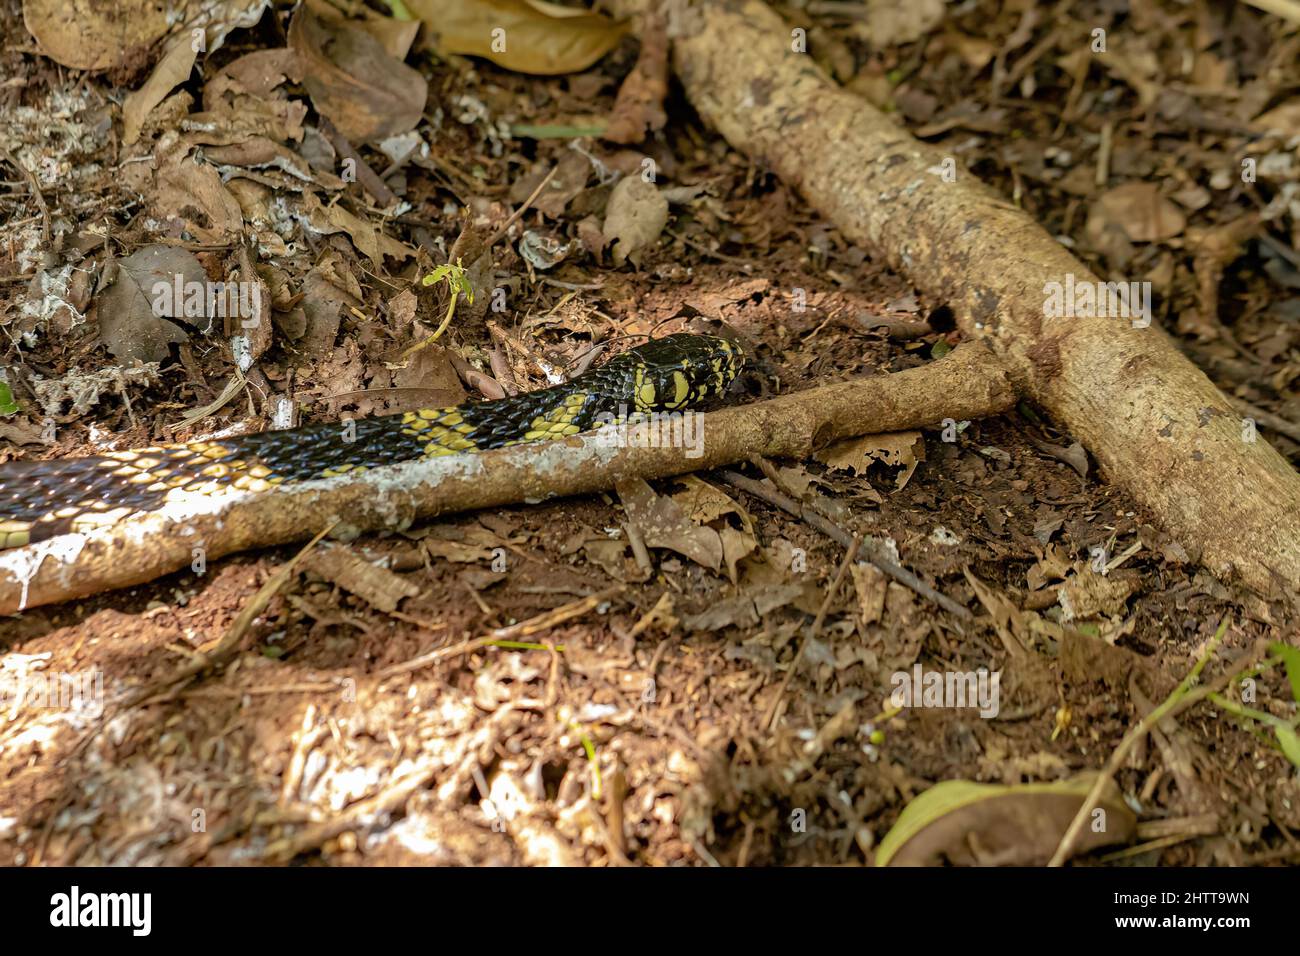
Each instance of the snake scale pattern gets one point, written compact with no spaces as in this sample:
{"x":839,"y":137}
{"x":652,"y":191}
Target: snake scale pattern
{"x":45,"y":498}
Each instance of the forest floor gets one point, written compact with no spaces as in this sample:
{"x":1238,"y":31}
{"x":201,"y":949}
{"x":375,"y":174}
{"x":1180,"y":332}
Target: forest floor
{"x":673,"y":721}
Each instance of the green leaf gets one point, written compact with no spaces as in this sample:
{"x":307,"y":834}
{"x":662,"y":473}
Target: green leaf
{"x":7,"y":404}
{"x":1291,"y":660}
{"x":1019,"y":824}
{"x":1289,"y":742}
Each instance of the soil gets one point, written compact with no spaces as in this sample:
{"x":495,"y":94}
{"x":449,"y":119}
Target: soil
{"x":643,"y":730}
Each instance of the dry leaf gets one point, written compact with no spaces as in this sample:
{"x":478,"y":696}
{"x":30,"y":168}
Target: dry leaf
{"x":745,"y":610}
{"x":91,"y":35}
{"x":377,"y":586}
{"x":363,"y":90}
{"x":1085,"y":658}
{"x":171,"y":71}
{"x":1139,"y":211}
{"x":663,"y":524}
{"x":973,"y":824}
{"x":889,"y":23}
{"x":1088,"y":594}
{"x":129,"y":325}
{"x":896,"y":449}
{"x":368,"y":238}
{"x":540,"y":38}
{"x":634,"y":218}
{"x":1281,"y":120}
{"x":639,"y":107}
{"x":871,"y":585}
{"x":193,"y":194}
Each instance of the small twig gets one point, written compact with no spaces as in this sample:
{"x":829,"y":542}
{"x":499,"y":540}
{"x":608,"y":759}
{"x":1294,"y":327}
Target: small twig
{"x":745,"y":264}
{"x":366,"y":176}
{"x":363,"y":814}
{"x":844,"y":538}
{"x":1178,"y":700}
{"x":234,"y":635}
{"x":170,"y":687}
{"x":35,"y":186}
{"x":523,"y":208}
{"x":1266,"y":418}
{"x":513,"y":342}
{"x":849,"y":557}
{"x":533,"y":625}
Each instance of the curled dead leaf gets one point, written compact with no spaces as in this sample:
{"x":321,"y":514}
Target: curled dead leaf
{"x":90,"y":35}
{"x":367,"y":93}
{"x":971,"y":824}
{"x":634,"y":218}
{"x":172,"y":70}
{"x":134,"y":322}
{"x":527,"y":36}
{"x":1139,"y":211}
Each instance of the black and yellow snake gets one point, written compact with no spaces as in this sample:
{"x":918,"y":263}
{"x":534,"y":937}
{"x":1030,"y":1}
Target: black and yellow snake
{"x":44,"y":498}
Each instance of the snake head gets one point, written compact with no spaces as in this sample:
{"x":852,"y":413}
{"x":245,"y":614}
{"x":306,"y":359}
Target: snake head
{"x":682,"y":371}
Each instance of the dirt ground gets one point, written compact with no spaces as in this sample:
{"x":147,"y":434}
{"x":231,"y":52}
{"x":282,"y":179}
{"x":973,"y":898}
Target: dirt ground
{"x":729,"y":712}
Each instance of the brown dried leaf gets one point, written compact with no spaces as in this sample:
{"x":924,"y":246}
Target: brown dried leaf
{"x":368,"y":94}
{"x":193,"y":194}
{"x":663,"y":524}
{"x":367,"y":237}
{"x":172,"y":70}
{"x":896,"y":449}
{"x":377,"y":586}
{"x":1283,"y":119}
{"x":128,"y":323}
{"x":639,"y":107}
{"x":536,"y":37}
{"x":871,"y":585}
{"x":746,"y":610}
{"x":91,"y":35}
{"x":1088,"y":594}
{"x":634,"y":218}
{"x":888,"y":22}
{"x":1139,"y":211}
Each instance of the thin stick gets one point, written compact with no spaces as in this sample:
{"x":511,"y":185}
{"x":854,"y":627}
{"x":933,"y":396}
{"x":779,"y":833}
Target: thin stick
{"x":541,"y":622}
{"x":35,"y":187}
{"x":1181,"y":695}
{"x":844,"y":538}
{"x":964,"y":384}
{"x":366,"y":175}
{"x":523,"y":208}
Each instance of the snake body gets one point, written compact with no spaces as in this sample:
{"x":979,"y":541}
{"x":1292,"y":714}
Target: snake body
{"x":44,"y":498}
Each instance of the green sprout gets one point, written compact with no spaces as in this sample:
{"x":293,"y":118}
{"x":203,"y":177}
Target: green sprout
{"x":458,"y":284}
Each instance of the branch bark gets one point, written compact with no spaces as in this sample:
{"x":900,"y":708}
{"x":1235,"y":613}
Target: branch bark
{"x":968,"y":383}
{"x":1157,"y":426}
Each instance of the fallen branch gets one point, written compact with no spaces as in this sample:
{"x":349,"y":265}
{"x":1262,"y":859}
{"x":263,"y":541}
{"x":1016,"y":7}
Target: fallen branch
{"x":1156,"y":425}
{"x":968,"y":383}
